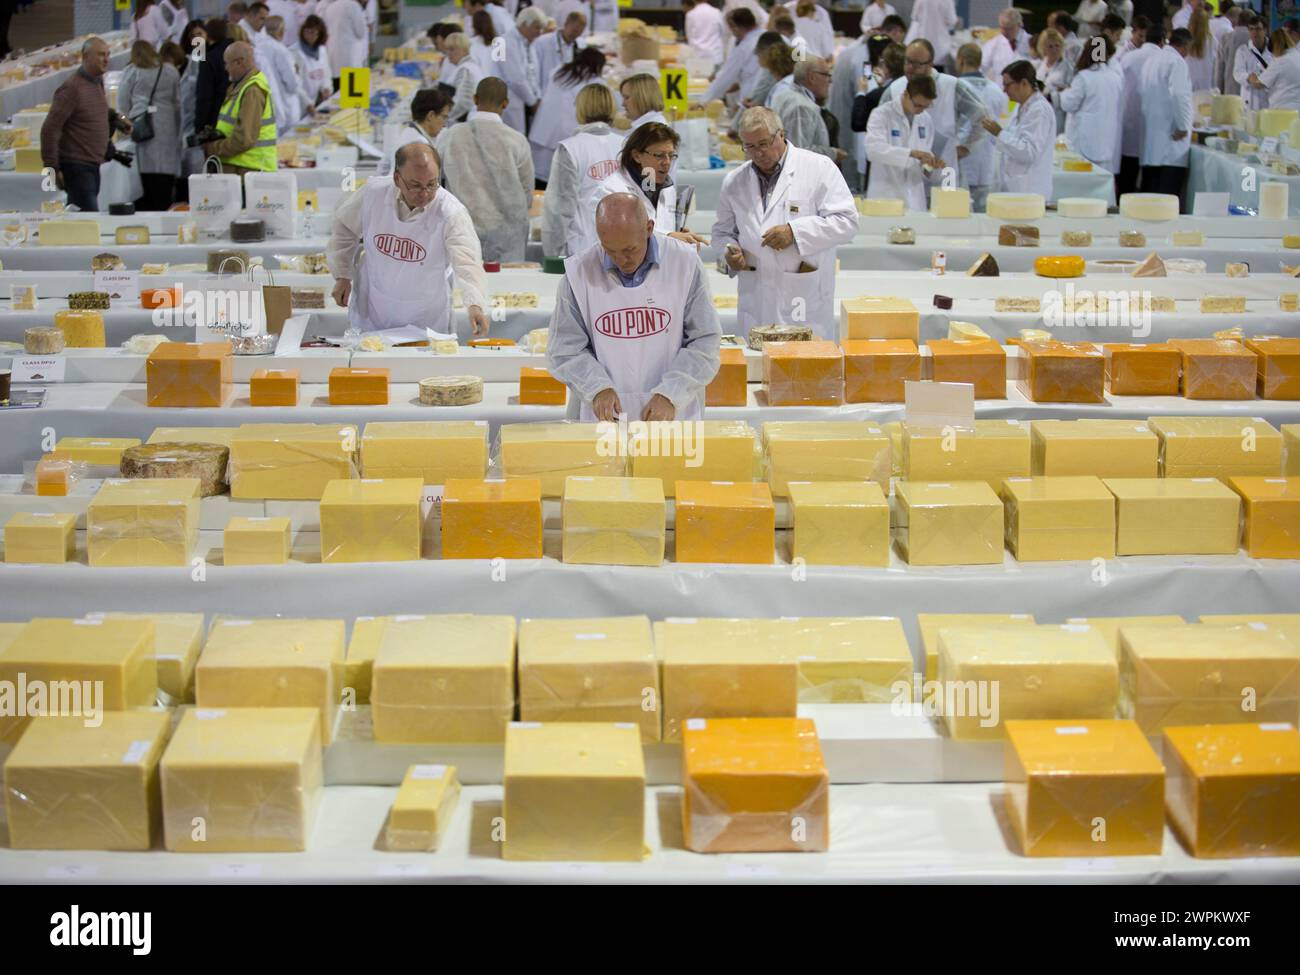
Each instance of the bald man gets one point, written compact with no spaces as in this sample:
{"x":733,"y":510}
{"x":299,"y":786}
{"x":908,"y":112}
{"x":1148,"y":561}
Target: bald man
{"x":246,"y":121}
{"x":415,"y":235}
{"x":634,"y":331}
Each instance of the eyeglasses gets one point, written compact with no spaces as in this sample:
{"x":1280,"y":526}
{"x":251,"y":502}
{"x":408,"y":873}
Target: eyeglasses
{"x":917,"y":64}
{"x":662,"y":156}
{"x":749,"y":149}
{"x":821,"y":74}
{"x":420,"y":187}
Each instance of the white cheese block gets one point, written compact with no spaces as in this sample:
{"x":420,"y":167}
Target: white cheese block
{"x":1223,"y":304}
{"x":1081,"y":206}
{"x":881,"y":208}
{"x":1273,"y":200}
{"x":1187,"y":238}
{"x":1149,"y":206}
{"x":966,"y":332}
{"x":950,"y":204}
{"x":1015,"y":206}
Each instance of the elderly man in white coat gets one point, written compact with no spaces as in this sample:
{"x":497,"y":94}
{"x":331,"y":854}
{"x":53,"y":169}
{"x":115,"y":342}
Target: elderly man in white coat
{"x":799,"y":107}
{"x":1026,"y":146}
{"x":1166,"y":94}
{"x":957,"y":110}
{"x":900,"y":134}
{"x":978,"y":167}
{"x":780,"y":218}
{"x":556,"y":49}
{"x":1011,"y":44}
{"x":414,"y":233}
{"x":634,"y":331}
{"x":519,"y":70}
{"x":462,"y":74}
{"x":277,"y":59}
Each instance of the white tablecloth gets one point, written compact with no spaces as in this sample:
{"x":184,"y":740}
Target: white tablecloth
{"x":1212,"y":170}
{"x":879,"y":834}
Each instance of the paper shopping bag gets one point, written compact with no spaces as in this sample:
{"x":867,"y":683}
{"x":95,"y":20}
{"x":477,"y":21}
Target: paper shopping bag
{"x":273,"y":199}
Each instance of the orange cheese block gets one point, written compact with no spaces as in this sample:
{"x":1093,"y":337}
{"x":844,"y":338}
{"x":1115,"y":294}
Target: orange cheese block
{"x":876,"y":369}
{"x":730,"y":387}
{"x":1234,"y":789}
{"x":358,"y":387}
{"x":537,"y":387}
{"x":803,"y":373}
{"x":725,"y":521}
{"x":1272,"y":506}
{"x":1143,"y":370}
{"x":188,"y":374}
{"x":160,"y":298}
{"x":492,"y":519}
{"x":274,"y":387}
{"x":1216,"y":369}
{"x":754,"y":785}
{"x":983,"y":364}
{"x":1278,"y":374}
{"x":1063,"y":372}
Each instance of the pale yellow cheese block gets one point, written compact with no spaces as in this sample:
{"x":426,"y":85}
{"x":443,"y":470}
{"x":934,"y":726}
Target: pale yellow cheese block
{"x":40,"y":537}
{"x":1039,"y":672}
{"x":290,"y":461}
{"x":68,"y":233}
{"x":371,"y":520}
{"x":949,"y":523}
{"x":950,"y":203}
{"x":724,"y":668}
{"x":444,"y":678}
{"x":1175,"y":516}
{"x":931,"y":623}
{"x":613,"y":521}
{"x":424,"y":806}
{"x":879,"y":317}
{"x":352,"y":676}
{"x":94,"y":450}
{"x":589,"y":670}
{"x":825,"y":450}
{"x":1101,"y":448}
{"x":839,"y":523}
{"x":272,"y":663}
{"x":1288,"y":623}
{"x":1217,"y":446}
{"x":1059,"y":519}
{"x":71,"y":786}
{"x":1208,"y":673}
{"x":551,"y":452}
{"x":846,"y":660}
{"x":256,"y":541}
{"x":1109,"y":626}
{"x":710,"y":450}
{"x":881,"y":207}
{"x":143,"y":522}
{"x":1291,"y":439}
{"x":178,"y":638}
{"x":242,"y":780}
{"x":994,"y":450}
{"x":430,"y":450}
{"x":215,"y":435}
{"x":574,"y":792}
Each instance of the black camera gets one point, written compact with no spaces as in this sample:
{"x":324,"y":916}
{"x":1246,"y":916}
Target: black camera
{"x":205,"y":134}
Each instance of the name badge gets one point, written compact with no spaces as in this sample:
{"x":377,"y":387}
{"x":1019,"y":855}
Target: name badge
{"x":895,"y":133}
{"x":794,"y":207}
{"x":920,"y":130}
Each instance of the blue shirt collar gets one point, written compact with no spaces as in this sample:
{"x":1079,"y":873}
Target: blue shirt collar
{"x":650,"y":260}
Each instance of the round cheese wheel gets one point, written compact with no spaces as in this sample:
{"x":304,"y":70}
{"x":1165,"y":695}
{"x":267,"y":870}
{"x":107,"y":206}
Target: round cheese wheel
{"x":1114,"y":266}
{"x":1081,"y":206}
{"x":1015,"y":206}
{"x":43,"y":340}
{"x":1149,"y":206}
{"x":1060,"y":266}
{"x":451,"y":390}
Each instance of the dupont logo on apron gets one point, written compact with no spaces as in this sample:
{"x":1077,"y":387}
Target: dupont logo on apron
{"x":606,"y":167}
{"x":633,"y":323}
{"x":399,"y":248}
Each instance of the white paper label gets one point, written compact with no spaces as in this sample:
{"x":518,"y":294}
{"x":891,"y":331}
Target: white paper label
{"x":123,"y":287}
{"x":38,"y":368}
{"x":95,"y":622}
{"x":428,"y":771}
{"x":695,"y":724}
{"x":589,"y":636}
{"x":938,"y":405}
{"x":526,"y":724}
{"x":1072,"y":730}
{"x":1276,"y":726}
{"x":208,"y":714}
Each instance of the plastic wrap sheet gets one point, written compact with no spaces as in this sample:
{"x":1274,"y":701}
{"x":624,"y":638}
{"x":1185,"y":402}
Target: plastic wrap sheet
{"x":371,"y":520}
{"x":614,"y":521}
{"x":71,"y":785}
{"x":1208,"y":673}
{"x":991,"y":675}
{"x":272,"y":663}
{"x":721,"y":521}
{"x":754,"y":785}
{"x":875,"y":371}
{"x":1216,"y":369}
{"x":242,"y":780}
{"x":258,"y":540}
{"x":982,"y":364}
{"x":143,"y":522}
{"x":1271,"y":515}
{"x":702,"y":450}
{"x":1065,"y":779}
{"x":444,"y":678}
{"x":1175,"y":516}
{"x":550,"y":452}
{"x":490,"y":519}
{"x":290,"y":461}
{"x":1217,"y":446}
{"x":40,"y":537}
{"x":1103,"y":448}
{"x":1233,"y":789}
{"x":1063,"y":372}
{"x":1058,"y":518}
{"x":53,"y":477}
{"x":424,"y":806}
{"x":803,"y":373}
{"x":591,"y":669}
{"x":825,"y":450}
{"x":949,"y":523}
{"x":434,"y":451}
{"x":994,"y":450}
{"x":839,"y":523}
{"x":186,"y":374}
{"x":120,"y":653}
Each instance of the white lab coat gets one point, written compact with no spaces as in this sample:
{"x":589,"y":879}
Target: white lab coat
{"x":519,"y":72}
{"x":740,"y":67}
{"x":979,"y":168}
{"x":811,"y":196}
{"x":816,"y":31}
{"x":1025,"y":149}
{"x":349,"y":35}
{"x":943,"y":112}
{"x":1131,"y":142}
{"x":314,"y":73}
{"x":293,"y":15}
{"x":275,"y":61}
{"x":481,"y":54}
{"x":489,"y":169}
{"x":503,"y":21}
{"x":1282,"y":79}
{"x":1182,"y":17}
{"x":604,"y":16}
{"x":552,"y":51}
{"x":1244,"y":65}
{"x":566,"y":7}
{"x":556,"y":119}
{"x":848,"y":71}
{"x":464,"y":78}
{"x":998,"y":53}
{"x":1093,"y":105}
{"x":1055,"y":80}
{"x":1166,"y":95}
{"x":408,"y":133}
{"x":891,"y":138}
{"x":664,"y":215}
{"x":933,"y":20}
{"x":874,"y":16}
{"x":579,"y":165}
{"x":1201,"y":70}
{"x":706,"y":32}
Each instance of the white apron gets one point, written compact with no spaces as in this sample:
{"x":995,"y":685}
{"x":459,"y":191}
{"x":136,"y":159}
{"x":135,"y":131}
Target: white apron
{"x":636,"y":332}
{"x":596,"y":158}
{"x":404,"y":279}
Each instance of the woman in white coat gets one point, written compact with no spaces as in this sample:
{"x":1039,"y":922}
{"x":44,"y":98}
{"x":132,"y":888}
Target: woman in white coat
{"x":642,"y":100}
{"x":313,"y":58}
{"x":556,"y":117}
{"x":645,"y":165}
{"x":1281,"y":79}
{"x":1026,"y":145}
{"x":349,"y":35}
{"x":480,"y":46}
{"x":460,"y":75}
{"x":1054,"y":71}
{"x":579,"y":165}
{"x":1203,"y":53}
{"x":900,"y":136}
{"x":780,"y":245}
{"x":1092,"y":105}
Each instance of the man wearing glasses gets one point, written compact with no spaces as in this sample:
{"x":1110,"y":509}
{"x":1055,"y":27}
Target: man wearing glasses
{"x":780,"y":217}
{"x":957,"y":109}
{"x":799,"y":107}
{"x":415,"y":236}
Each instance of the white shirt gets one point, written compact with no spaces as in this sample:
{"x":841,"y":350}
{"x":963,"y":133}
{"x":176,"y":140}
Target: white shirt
{"x":1026,"y":147}
{"x":552,"y":51}
{"x":891,"y":138}
{"x":1201,"y":70}
{"x":706,"y":32}
{"x":349,"y":37}
{"x":740,"y":67}
{"x":933,"y":20}
{"x":1090,"y":12}
{"x":875,"y":15}
{"x":1093,"y":103}
{"x":1131,"y":142}
{"x":1282,"y":79}
{"x":1182,"y":17}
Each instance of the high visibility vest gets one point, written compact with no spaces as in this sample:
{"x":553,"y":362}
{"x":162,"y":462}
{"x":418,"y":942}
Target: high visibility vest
{"x":262,"y":154}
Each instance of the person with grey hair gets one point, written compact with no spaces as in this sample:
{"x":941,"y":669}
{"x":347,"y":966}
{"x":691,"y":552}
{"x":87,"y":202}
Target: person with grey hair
{"x":634,"y":332}
{"x":413,"y":232}
{"x":780,"y":218}
{"x":799,"y":107}
{"x":1011,"y":44}
{"x":519,"y":70}
{"x":461,"y":73}
{"x":286,"y":85}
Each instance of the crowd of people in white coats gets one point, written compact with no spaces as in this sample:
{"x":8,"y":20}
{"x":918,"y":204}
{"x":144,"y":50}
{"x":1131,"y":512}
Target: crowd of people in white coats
{"x":898,"y":110}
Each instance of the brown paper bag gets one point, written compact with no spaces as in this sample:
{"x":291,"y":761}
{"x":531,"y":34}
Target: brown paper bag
{"x":276,"y":301}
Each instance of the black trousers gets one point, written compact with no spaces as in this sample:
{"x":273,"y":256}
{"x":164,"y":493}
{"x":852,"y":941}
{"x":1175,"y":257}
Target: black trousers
{"x":1126,"y":180}
{"x":81,"y":181}
{"x":1165,"y":179}
{"x":159,"y":191}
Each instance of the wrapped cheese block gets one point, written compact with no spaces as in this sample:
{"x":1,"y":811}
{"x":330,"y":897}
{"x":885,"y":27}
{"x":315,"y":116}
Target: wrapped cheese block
{"x":1227,"y":110}
{"x":143,"y":344}
{"x":1153,"y":369}
{"x":1017,"y":235}
{"x":1278,"y":375}
{"x":1063,"y":372}
{"x":1076,"y":238}
{"x":43,"y":340}
{"x":878,"y":317}
{"x":880,"y":207}
{"x":1216,"y":369}
{"x":205,"y":462}
{"x":983,"y":364}
{"x":451,"y":390}
{"x":132,"y":235}
{"x":876,"y":370}
{"x":902,"y":235}
{"x":1149,"y":206}
{"x":803,"y":373}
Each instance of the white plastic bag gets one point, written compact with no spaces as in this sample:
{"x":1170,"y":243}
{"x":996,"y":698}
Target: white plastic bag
{"x":273,"y":199}
{"x":215,"y":200}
